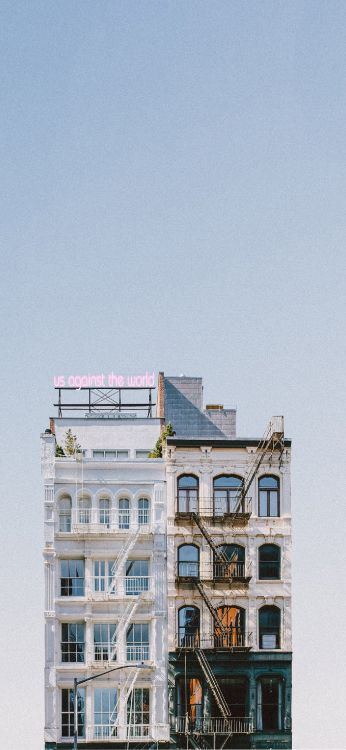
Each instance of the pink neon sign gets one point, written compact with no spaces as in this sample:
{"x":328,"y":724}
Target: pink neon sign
{"x":112,"y":380}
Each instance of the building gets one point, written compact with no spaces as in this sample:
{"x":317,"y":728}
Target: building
{"x":105,"y":577}
{"x":229,"y":572}
{"x":176,"y":569}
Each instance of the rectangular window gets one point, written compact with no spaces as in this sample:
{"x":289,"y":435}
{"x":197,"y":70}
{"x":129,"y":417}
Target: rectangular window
{"x":110,"y":455}
{"x":105,"y":712}
{"x":105,"y":644}
{"x":269,"y":705}
{"x":67,"y":712}
{"x":103,"y":574}
{"x":142,"y":454}
{"x":72,"y":578}
{"x":137,"y":578}
{"x":138,"y":713}
{"x":72,"y":642}
{"x":137,"y":641}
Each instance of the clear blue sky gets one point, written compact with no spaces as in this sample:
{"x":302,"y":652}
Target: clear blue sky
{"x":173,"y":197}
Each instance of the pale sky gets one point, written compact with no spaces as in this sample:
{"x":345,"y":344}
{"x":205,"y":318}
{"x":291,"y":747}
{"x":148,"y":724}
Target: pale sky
{"x":173,"y":198}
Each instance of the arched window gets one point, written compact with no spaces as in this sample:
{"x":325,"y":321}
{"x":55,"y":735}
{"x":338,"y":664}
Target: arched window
{"x":269,"y":704}
{"x":235,"y":568}
{"x":232,"y":632}
{"x":188,"y":561}
{"x":84,"y":510}
{"x":268,"y":496}
{"x":227,"y":492}
{"x":269,"y":561}
{"x":65,"y":505}
{"x":269,"y":627}
{"x":104,"y":511}
{"x":190,"y":701}
{"x":143,"y":511}
{"x":188,"y":627}
{"x":124,"y":513}
{"x":235,"y":690}
{"x":187,"y":494}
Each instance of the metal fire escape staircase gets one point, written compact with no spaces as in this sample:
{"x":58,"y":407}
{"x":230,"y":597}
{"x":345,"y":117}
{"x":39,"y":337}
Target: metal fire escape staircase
{"x":122,"y":557}
{"x":273,"y":439}
{"x":213,"y":684}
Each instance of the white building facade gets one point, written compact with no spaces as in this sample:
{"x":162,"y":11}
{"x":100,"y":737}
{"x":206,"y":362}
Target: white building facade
{"x":105,"y":583}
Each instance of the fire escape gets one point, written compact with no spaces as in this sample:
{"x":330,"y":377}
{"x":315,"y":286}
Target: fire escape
{"x":273,"y":440}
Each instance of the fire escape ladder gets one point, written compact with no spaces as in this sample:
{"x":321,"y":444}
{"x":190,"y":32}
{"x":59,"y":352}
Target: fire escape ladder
{"x":122,"y":557}
{"x":218,"y":556}
{"x":129,"y":683}
{"x":125,"y":620}
{"x":273,"y":439}
{"x":212,"y":610}
{"x":213,"y":684}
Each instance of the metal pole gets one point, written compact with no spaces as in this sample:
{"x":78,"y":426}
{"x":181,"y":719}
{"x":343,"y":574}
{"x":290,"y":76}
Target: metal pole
{"x":75,"y":714}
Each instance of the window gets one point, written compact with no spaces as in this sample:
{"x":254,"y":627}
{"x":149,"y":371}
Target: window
{"x":137,"y":642}
{"x":67,"y":712}
{"x":137,"y":576}
{"x":235,"y":692}
{"x":188,"y":627}
{"x":72,"y":578}
{"x":124,"y":513}
{"x":105,"y":712}
{"x":232,"y":632}
{"x":138,"y":712}
{"x":269,"y":501}
{"x":110,"y":455}
{"x":227,"y":494}
{"x":105,"y":643}
{"x":269,"y":627}
{"x":104,"y":511}
{"x":142,"y":454}
{"x":190,"y":701}
{"x":65,"y":505}
{"x":235,"y":568}
{"x":188,"y":561}
{"x":269,"y":561}
{"x":72,"y":642}
{"x":143,"y":511}
{"x":269,"y":704}
{"x":187,"y":494}
{"x":84,"y":510}
{"x":103,"y":574}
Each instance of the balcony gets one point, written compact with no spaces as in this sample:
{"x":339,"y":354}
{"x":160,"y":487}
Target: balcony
{"x":212,"y":725}
{"x":107,"y":732}
{"x":108,"y":587}
{"x":234,"y":574}
{"x":233,"y":639}
{"x":91,"y":521}
{"x":214,"y":509}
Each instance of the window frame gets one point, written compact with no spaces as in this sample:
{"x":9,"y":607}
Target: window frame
{"x":69,"y":713}
{"x":262,"y":577}
{"x":270,"y":630}
{"x":268,"y":491}
{"x":74,"y":643}
{"x":189,"y":562}
{"x":229,"y":497}
{"x":70,"y":578}
{"x":190,"y":502}
{"x":193,"y":638}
